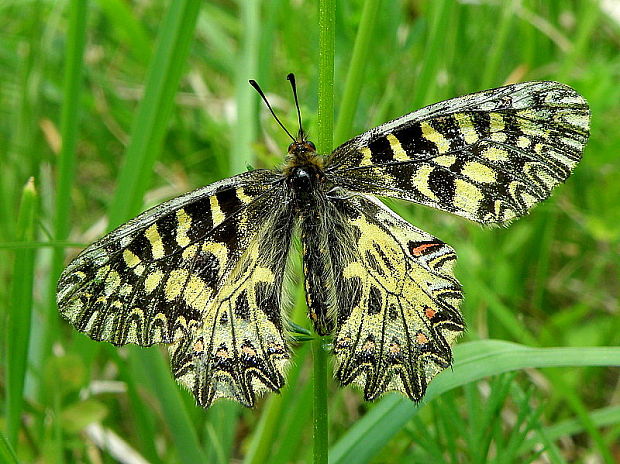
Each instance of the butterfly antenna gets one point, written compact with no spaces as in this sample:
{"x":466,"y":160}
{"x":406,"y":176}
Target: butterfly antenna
{"x":254,"y":84}
{"x":291,"y":78}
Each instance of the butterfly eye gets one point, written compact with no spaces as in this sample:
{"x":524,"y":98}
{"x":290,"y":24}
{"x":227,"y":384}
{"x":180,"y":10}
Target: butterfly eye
{"x":311,"y":145}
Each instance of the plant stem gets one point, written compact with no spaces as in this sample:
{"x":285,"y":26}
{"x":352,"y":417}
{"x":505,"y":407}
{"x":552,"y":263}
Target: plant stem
{"x":319,"y":359}
{"x":327,"y":21}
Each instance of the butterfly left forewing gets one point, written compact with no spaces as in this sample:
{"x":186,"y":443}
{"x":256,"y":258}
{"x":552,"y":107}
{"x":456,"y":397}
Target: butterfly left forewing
{"x":397,"y":306}
{"x":488,"y":156}
{"x":147,"y":281}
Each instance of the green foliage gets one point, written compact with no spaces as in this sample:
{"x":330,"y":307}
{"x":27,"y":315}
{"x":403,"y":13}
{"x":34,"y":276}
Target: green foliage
{"x":150,"y":100}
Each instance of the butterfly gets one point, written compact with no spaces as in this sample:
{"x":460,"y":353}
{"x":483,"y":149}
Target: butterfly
{"x":204,"y":273}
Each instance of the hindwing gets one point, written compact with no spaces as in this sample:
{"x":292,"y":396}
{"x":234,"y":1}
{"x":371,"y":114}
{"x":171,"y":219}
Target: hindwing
{"x":396,"y":299}
{"x":238,"y":349}
{"x":488,"y":156}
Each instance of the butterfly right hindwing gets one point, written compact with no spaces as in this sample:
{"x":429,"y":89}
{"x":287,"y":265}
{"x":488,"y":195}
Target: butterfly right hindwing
{"x":394,"y":295}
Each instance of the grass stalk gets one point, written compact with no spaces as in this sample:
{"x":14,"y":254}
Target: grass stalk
{"x":65,"y":176}
{"x":20,"y":313}
{"x":327,"y":45}
{"x":355,"y":73}
{"x":147,"y":134}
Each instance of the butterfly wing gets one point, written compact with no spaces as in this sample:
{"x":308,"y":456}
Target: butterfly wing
{"x":397,"y":301}
{"x":194,"y":272}
{"x":488,"y":156}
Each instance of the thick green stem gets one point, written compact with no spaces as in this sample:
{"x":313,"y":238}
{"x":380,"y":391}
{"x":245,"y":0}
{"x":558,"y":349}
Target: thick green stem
{"x":320,"y":400}
{"x":327,"y":21}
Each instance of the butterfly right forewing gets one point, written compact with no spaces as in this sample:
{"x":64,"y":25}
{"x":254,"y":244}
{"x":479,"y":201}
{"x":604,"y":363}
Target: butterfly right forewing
{"x":489,"y":156}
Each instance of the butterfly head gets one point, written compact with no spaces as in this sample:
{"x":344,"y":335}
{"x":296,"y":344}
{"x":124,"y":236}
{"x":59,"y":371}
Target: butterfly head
{"x":301,"y":147}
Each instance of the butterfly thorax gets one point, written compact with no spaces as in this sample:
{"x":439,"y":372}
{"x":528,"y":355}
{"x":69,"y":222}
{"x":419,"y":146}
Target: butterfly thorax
{"x":304,"y":174}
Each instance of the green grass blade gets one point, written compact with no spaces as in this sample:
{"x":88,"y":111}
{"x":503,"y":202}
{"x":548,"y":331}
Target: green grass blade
{"x":65,"y":175}
{"x":474,"y":361}
{"x":7,"y":455}
{"x":177,"y":417}
{"x":490,"y":72}
{"x":247,"y":68}
{"x":426,"y":83}
{"x":270,"y":430}
{"x":222,"y":419}
{"x":604,"y":417}
{"x":263,"y":438}
{"x":297,"y":415}
{"x":20,"y":313}
{"x":76,"y":41}
{"x":128,"y":27}
{"x":355,"y":75}
{"x":153,"y":114}
{"x":148,"y":130}
{"x":66,"y":165}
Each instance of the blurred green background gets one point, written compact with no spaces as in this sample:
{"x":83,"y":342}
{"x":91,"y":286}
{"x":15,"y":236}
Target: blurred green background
{"x":110,"y":106}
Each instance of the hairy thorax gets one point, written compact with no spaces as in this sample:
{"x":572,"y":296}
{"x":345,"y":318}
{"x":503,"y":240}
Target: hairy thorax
{"x":304,"y":175}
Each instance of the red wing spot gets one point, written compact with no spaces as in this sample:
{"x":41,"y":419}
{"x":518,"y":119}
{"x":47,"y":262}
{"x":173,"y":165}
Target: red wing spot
{"x":198,"y":346}
{"x":394,"y":348}
{"x":430,"y":312}
{"x":418,"y":249}
{"x":421,"y":338}
{"x":222,"y":352}
{"x":248,"y":350}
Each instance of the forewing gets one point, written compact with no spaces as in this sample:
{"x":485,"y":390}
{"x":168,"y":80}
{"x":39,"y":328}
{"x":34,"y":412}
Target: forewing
{"x":488,"y":156}
{"x":200,"y":272}
{"x":397,"y":303}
